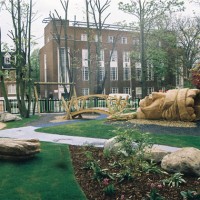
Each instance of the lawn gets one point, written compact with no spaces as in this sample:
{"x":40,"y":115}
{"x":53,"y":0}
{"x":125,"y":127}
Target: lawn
{"x":47,"y":176}
{"x":21,"y":123}
{"x":100,"y":129}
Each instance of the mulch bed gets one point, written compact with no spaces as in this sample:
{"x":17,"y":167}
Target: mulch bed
{"x":136,"y":189}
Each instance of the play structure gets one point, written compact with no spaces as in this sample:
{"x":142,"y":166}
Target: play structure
{"x":97,"y":103}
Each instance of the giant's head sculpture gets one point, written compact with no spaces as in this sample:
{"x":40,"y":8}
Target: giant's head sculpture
{"x":177,"y":104}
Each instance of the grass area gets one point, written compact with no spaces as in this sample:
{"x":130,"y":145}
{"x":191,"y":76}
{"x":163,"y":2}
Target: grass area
{"x":21,"y":123}
{"x":47,"y":176}
{"x":91,"y":128}
{"x":98,"y":129}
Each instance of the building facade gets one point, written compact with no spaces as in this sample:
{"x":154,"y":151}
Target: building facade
{"x":114,"y":68}
{"x":9,"y":73}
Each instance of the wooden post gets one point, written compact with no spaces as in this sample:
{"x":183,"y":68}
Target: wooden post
{"x":36,"y":98}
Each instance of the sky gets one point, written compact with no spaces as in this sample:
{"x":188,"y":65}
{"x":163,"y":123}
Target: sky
{"x":76,"y":8}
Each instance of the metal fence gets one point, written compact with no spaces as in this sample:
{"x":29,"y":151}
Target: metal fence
{"x":53,"y":105}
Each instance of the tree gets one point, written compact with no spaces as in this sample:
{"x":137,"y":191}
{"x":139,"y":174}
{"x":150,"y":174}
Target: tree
{"x":35,"y":65}
{"x":60,"y":29}
{"x":21,"y":14}
{"x":146,"y":12}
{"x":97,"y":11}
{"x":2,"y":83}
{"x":188,"y":35}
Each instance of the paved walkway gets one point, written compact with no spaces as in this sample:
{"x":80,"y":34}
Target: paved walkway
{"x":29,"y":132}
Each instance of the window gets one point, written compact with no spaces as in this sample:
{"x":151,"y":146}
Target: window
{"x":85,"y":74}
{"x":101,"y":73}
{"x":63,"y":72}
{"x":150,"y":74}
{"x":113,"y":74}
{"x":101,"y":55}
{"x":84,"y":57}
{"x":138,"y":71}
{"x":11,"y":89}
{"x":127,"y":90}
{"x":138,"y":92}
{"x":96,"y":38}
{"x":7,"y":58}
{"x":85,"y":91}
{"x":126,"y":56}
{"x":83,"y":37}
{"x":110,"y":39}
{"x":136,"y":41}
{"x":124,"y":40}
{"x":150,"y":90}
{"x":113,"y":56}
{"x":114,"y":90}
{"x":126,"y":73}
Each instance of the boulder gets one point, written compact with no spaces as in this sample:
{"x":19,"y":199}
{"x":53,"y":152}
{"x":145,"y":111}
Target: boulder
{"x":155,"y":153}
{"x":114,"y":146}
{"x":185,"y":160}
{"x":7,"y":117}
{"x":14,"y":149}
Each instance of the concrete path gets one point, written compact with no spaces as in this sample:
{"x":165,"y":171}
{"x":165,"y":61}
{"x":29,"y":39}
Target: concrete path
{"x":28,"y":132}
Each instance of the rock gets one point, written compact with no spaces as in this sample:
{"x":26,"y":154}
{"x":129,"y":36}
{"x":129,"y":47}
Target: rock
{"x":14,"y":149}
{"x":7,"y":117}
{"x":185,"y":160}
{"x":156,"y":154}
{"x":114,"y":146}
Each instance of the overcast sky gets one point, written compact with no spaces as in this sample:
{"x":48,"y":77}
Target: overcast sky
{"x":76,"y":8}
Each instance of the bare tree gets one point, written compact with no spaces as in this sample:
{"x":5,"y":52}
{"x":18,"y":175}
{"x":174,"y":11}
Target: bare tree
{"x":21,"y":14}
{"x":97,"y":10}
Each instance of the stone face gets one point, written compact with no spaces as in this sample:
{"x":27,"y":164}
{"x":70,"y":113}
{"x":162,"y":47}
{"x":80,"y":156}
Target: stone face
{"x":178,"y":104}
{"x":14,"y":149}
{"x":156,"y":154}
{"x":7,"y":117}
{"x":185,"y":160}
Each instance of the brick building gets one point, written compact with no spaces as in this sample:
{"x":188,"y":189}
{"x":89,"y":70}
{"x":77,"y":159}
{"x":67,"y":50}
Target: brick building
{"x":9,"y":74}
{"x":120,"y":73}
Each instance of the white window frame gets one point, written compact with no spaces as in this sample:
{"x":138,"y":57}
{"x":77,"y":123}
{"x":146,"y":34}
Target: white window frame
{"x":113,"y":73}
{"x":110,"y":39}
{"x":138,"y":92}
{"x":150,"y":72}
{"x":124,"y":40}
{"x":85,"y":91}
{"x":113,"y":56}
{"x":11,"y":89}
{"x":127,"y":90}
{"x":84,"y":37}
{"x":126,"y":73}
{"x":114,"y":90}
{"x":150,"y":90}
{"x":96,"y":38}
{"x":85,"y":74}
{"x":138,"y":71}
{"x":101,"y":73}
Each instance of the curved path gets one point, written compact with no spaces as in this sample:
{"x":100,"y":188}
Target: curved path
{"x":29,"y":132}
